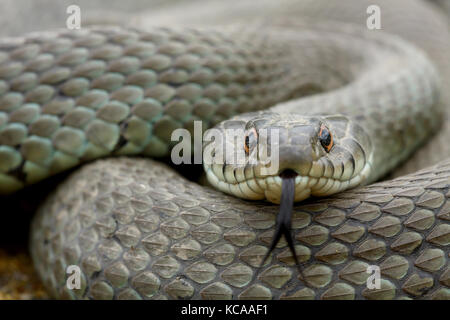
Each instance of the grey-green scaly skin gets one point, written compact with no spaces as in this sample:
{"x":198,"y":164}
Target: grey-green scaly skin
{"x":69,"y":97}
{"x":139,"y":231}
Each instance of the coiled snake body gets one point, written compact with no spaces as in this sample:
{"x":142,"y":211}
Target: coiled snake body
{"x":138,"y":230}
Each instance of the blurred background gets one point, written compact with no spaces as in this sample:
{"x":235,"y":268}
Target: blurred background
{"x":21,"y":16}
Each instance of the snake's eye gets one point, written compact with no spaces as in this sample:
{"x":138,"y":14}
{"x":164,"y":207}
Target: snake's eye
{"x":325,"y":138}
{"x":250,"y":138}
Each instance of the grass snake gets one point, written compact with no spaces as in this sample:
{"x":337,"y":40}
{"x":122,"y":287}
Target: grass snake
{"x":349,"y":105}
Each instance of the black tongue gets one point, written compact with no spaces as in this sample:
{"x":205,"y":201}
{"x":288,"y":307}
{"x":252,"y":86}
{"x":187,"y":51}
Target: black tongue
{"x":284,"y":218}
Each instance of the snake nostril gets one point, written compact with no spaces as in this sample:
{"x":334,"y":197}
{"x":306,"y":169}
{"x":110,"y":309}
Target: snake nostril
{"x":288,"y":173}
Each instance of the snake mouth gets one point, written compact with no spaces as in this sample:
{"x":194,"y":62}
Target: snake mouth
{"x":258,"y":187}
{"x":288,"y":174}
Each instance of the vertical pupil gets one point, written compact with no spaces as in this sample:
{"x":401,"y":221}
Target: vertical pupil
{"x":247,"y":141}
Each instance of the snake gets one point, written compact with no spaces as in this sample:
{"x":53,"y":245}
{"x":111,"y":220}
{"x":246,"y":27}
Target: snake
{"x":340,"y":107}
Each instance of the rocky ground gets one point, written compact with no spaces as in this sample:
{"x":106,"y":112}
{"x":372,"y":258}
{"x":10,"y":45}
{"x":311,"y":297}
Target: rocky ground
{"x":17,"y":277}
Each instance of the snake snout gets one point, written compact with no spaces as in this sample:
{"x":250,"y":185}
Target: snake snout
{"x":295,"y":158}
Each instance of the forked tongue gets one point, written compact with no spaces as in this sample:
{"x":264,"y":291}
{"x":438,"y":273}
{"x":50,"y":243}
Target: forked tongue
{"x":284,"y":217}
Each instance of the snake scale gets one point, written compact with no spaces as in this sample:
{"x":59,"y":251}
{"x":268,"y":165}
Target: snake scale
{"x":138,"y":230}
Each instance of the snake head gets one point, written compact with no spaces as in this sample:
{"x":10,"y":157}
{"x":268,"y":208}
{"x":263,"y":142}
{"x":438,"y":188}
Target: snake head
{"x":247,"y":156}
